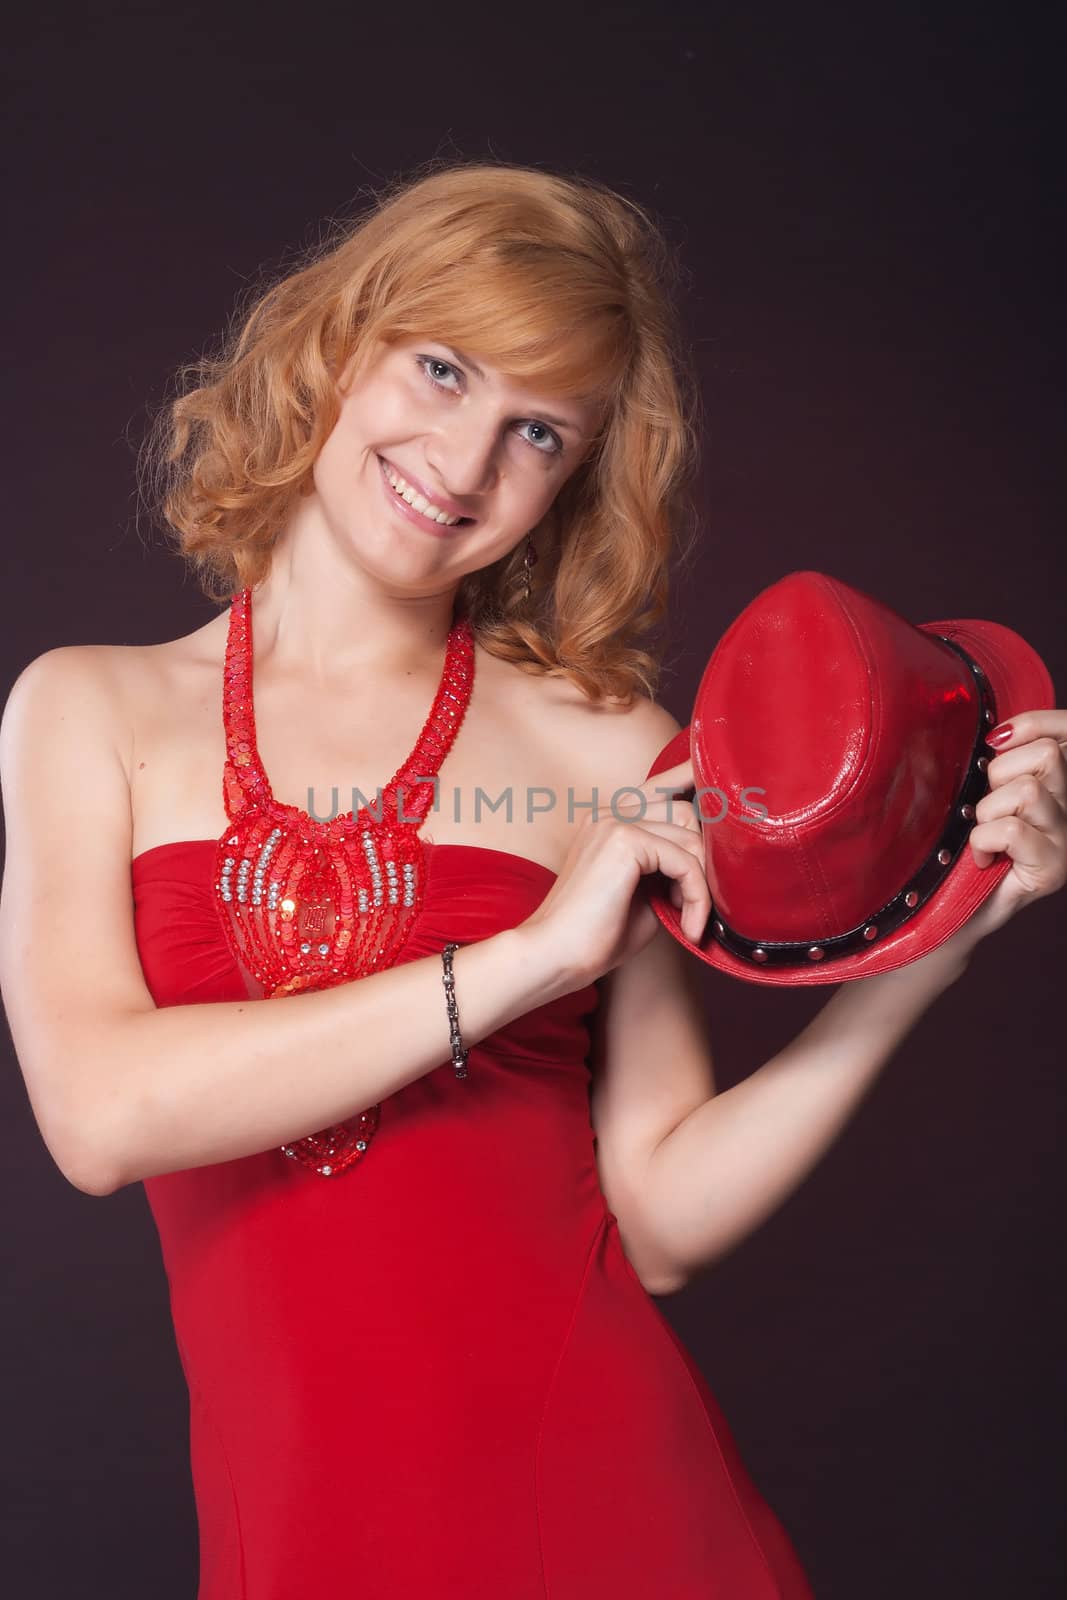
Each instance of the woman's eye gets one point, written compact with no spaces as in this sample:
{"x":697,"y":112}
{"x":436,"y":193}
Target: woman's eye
{"x":553,"y":444}
{"x":426,"y":362}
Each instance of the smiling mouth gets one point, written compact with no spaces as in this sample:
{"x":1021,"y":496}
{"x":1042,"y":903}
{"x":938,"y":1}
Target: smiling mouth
{"x":390,"y":472}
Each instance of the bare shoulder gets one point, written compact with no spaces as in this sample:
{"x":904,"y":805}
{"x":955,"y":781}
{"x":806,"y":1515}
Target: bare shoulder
{"x":70,"y":681}
{"x":115,"y":686}
{"x":624,"y":746}
{"x":607,"y":743}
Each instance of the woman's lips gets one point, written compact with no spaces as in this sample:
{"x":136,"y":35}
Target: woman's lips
{"x":409,"y":511}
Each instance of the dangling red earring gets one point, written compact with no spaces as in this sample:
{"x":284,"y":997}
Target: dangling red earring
{"x":529,"y":560}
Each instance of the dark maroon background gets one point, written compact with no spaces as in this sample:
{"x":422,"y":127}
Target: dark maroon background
{"x":865,"y":201}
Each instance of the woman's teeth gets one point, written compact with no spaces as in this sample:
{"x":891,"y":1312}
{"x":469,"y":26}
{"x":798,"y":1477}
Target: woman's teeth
{"x":419,"y":501}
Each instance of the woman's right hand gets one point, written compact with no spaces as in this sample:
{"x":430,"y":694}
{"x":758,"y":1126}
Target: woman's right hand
{"x":591,"y":920}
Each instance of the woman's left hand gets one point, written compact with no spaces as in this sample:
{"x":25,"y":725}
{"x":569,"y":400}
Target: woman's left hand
{"x":1023,"y":816}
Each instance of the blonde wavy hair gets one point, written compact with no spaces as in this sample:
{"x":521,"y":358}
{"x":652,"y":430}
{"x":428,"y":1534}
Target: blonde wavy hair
{"x":558,"y":281}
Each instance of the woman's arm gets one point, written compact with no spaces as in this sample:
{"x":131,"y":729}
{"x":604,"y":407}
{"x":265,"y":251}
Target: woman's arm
{"x":122,"y":1090}
{"x":723,"y":1167}
{"x":728,"y":1164}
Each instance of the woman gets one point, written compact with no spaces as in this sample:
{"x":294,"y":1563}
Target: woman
{"x":439,"y":1371}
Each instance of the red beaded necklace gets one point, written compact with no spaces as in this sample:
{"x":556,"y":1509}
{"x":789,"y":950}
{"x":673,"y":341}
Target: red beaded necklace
{"x":308,"y":904}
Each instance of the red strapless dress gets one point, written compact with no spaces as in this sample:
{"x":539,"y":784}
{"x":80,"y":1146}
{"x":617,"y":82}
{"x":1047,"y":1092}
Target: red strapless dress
{"x":437,"y":1374}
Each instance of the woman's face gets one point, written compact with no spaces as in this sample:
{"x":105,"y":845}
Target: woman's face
{"x":464,"y":439}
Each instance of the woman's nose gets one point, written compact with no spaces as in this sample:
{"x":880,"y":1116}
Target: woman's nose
{"x":465,"y":461}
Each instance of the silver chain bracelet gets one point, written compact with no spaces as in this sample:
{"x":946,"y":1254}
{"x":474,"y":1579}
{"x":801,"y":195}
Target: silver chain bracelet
{"x":459,"y":1054}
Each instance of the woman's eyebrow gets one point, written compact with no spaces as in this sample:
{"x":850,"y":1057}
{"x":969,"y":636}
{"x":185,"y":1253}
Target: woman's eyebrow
{"x":465,"y":360}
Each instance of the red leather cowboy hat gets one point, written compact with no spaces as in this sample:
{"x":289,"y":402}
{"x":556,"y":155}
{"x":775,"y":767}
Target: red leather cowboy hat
{"x":841,"y":751}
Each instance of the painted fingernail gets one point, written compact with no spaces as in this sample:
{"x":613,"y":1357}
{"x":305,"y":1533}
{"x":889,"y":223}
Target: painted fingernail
{"x":1000,"y":735}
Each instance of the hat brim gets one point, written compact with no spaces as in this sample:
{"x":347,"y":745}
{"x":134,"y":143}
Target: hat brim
{"x":1020,"y":681}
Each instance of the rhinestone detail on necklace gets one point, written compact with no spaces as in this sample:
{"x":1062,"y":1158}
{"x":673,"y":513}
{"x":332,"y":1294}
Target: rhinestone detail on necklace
{"x":307,"y":904}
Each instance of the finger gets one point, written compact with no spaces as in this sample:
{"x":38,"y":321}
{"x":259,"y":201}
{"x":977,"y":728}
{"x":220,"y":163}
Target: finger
{"x":1037,"y":858}
{"x":1029,"y":725}
{"x":690,"y":839}
{"x":679,"y":777}
{"x":672,"y":851}
{"x":627,"y":806}
{"x":1027,"y":798}
{"x":641,"y":799}
{"x":1044,"y":757}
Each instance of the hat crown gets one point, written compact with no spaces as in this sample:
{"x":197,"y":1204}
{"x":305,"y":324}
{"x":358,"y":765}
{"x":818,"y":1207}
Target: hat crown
{"x":834,"y":732}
